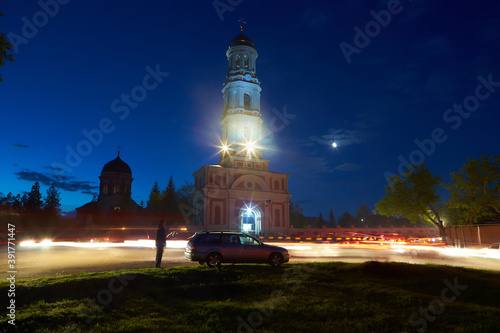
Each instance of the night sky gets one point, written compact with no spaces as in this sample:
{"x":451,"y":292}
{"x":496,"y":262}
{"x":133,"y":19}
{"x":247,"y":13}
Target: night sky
{"x":147,"y":75}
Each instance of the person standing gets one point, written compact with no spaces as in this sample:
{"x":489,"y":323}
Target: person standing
{"x":160,"y":242}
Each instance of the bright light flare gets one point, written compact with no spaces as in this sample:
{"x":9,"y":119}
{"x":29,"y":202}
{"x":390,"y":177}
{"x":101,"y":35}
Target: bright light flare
{"x":45,"y":242}
{"x":334,"y":144}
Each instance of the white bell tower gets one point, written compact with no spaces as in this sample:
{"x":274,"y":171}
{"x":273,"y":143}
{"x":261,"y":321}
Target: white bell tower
{"x":239,"y":192}
{"x":241,"y":119}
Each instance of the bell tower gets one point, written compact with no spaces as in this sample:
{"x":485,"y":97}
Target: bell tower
{"x":241,"y":119}
{"x":239,"y":192}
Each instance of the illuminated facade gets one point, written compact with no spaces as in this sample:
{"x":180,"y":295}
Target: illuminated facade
{"x":239,"y":193}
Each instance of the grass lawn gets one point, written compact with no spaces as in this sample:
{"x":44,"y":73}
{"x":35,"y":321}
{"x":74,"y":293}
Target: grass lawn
{"x":316,"y":297}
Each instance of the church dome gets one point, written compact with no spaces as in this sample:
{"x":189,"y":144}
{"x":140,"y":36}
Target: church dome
{"x":117,"y":165}
{"x":242,"y":39}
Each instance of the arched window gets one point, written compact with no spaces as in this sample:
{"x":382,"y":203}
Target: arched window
{"x":276,"y":185}
{"x":246,"y":101}
{"x":116,"y":189}
{"x":245,"y":62}
{"x":238,"y":61}
{"x":105,"y":189}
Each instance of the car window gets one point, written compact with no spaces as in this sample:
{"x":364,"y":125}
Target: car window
{"x":229,"y":239}
{"x":196,"y":238}
{"x":246,"y":240}
{"x":212,"y":238}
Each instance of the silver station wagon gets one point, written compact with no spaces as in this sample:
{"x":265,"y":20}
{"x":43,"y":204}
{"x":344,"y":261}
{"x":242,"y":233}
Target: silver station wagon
{"x":216,"y":247}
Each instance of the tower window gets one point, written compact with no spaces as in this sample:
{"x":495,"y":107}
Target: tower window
{"x":238,"y":61}
{"x":116,"y":189}
{"x":245,"y":62}
{"x":247,"y":101}
{"x":105,"y":189}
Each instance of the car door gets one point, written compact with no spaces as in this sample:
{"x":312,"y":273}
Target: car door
{"x":230,"y":248}
{"x":251,"y":250}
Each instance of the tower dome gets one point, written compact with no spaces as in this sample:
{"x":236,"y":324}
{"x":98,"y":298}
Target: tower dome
{"x":117,"y":165}
{"x":242,"y":39}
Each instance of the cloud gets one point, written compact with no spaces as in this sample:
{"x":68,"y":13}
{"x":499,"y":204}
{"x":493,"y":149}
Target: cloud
{"x":61,"y":182}
{"x":348,"y":167}
{"x":19,"y":145}
{"x":359,"y":132}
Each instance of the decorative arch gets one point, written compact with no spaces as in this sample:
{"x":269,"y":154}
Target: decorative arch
{"x":252,"y":179}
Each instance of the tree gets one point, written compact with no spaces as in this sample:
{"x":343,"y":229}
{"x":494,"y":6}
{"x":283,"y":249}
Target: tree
{"x":52,"y":202}
{"x":297,"y":219}
{"x":154,"y":201}
{"x":320,"y":222}
{"x":5,"y":47}
{"x":185,"y":200}
{"x":346,"y":220}
{"x":364,"y":216}
{"x":34,"y":203}
{"x":169,"y":197}
{"x":413,"y":196}
{"x":475,"y":190}
{"x":331,"y":220}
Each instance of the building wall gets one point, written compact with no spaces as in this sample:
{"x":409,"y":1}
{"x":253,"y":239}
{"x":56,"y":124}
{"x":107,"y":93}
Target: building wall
{"x":223,"y":193}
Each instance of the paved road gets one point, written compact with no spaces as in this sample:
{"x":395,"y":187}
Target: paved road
{"x":34,"y":262}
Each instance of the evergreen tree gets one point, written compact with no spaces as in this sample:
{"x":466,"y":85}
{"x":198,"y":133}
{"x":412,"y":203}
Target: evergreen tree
{"x":320,"y":222}
{"x":52,"y":202}
{"x":154,"y":201}
{"x":34,"y":203}
{"x":169,"y":197}
{"x":331,"y":220}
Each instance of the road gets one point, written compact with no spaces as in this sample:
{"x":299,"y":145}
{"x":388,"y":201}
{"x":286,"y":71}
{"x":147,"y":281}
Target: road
{"x":54,"y":260}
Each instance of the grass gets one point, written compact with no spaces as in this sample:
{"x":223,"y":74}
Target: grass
{"x":316,"y":297}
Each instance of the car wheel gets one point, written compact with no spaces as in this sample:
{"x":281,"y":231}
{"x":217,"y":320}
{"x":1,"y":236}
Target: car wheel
{"x":275,"y":259}
{"x":213,"y":259}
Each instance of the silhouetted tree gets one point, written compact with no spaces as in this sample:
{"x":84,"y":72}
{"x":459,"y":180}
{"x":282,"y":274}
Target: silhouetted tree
{"x":169,"y":197}
{"x":320,"y":222}
{"x":52,"y":202}
{"x":331,"y":220}
{"x":364,"y":216}
{"x":346,"y":220}
{"x":34,"y":203}
{"x":154,"y":201}
{"x":5,"y":47}
{"x":185,"y":197}
{"x":475,"y":191}
{"x":297,"y":219}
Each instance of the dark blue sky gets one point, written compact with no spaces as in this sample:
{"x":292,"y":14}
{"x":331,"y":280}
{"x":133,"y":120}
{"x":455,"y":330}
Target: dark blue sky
{"x":379,"y":94}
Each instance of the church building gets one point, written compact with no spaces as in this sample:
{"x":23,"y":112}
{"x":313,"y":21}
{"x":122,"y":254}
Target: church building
{"x":240,"y":193}
{"x":114,"y":201}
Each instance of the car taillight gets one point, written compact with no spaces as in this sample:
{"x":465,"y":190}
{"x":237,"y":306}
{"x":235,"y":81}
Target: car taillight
{"x":191,"y":248}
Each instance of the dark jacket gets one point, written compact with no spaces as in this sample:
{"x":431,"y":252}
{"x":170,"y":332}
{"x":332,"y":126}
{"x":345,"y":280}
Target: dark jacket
{"x":160,"y":236}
